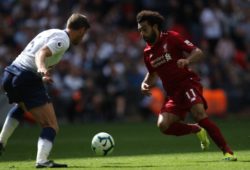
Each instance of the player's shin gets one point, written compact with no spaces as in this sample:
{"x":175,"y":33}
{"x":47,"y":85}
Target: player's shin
{"x":180,"y":129}
{"x":45,"y":143}
{"x":11,"y":122}
{"x":215,"y":133}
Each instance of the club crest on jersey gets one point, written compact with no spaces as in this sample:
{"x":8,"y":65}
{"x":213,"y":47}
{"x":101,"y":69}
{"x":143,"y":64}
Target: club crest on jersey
{"x":161,"y":60}
{"x":188,"y":43}
{"x":165,"y":46}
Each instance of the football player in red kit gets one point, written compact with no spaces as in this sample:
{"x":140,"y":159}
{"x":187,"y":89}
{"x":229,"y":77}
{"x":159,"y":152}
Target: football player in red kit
{"x":167,"y":56}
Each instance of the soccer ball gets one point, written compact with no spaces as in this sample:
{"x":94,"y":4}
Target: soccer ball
{"x":102,"y":144}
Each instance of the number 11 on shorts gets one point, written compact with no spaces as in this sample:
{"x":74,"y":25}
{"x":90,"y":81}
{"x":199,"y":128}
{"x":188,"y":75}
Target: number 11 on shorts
{"x":191,"y":95}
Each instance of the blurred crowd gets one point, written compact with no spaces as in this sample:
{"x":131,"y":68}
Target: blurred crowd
{"x":100,"y":79}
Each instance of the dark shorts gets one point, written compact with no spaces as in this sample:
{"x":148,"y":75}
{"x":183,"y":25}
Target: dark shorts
{"x":187,"y":95}
{"x":24,"y":86}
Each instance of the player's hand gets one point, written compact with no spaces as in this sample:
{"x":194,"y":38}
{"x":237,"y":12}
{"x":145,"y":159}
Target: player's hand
{"x":44,"y":73}
{"x":145,"y":89}
{"x":181,"y":63}
{"x":48,"y":79}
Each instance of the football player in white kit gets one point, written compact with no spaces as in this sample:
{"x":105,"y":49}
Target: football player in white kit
{"x":24,"y":79}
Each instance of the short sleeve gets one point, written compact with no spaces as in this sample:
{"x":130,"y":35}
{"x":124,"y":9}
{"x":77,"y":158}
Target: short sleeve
{"x":57,"y":45}
{"x":182,"y":44}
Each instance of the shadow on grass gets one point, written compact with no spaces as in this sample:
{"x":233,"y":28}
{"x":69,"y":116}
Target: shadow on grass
{"x":129,"y":166}
{"x":115,"y":166}
{"x":243,"y":161}
{"x":73,"y":141}
{"x":210,"y":161}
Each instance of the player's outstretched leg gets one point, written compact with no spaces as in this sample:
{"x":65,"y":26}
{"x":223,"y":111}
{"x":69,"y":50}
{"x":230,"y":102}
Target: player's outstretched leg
{"x":44,"y":146}
{"x":46,"y":117}
{"x":214,"y":132}
{"x":170,"y":124}
{"x":202,"y":136}
{"x":181,"y":129}
{"x":11,"y":122}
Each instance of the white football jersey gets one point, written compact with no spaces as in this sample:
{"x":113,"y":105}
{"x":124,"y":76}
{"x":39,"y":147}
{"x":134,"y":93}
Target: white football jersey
{"x":55,"y":39}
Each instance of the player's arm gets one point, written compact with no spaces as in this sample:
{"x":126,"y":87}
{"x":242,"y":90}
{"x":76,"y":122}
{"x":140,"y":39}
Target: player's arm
{"x":148,"y":82}
{"x":191,"y":53}
{"x":195,"y":56}
{"x":41,"y":55}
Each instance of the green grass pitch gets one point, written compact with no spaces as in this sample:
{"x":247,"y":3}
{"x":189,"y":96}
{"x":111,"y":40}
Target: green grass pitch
{"x":138,"y":146}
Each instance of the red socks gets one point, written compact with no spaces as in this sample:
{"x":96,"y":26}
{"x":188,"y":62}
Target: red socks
{"x":180,"y":129}
{"x":215,"y":133}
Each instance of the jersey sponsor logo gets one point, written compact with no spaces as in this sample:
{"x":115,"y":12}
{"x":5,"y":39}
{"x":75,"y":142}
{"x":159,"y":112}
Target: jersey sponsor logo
{"x":161,"y":60}
{"x":165,"y":46}
{"x":168,"y":57}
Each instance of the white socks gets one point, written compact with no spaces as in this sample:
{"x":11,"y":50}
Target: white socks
{"x":9,"y":126}
{"x":44,"y":147}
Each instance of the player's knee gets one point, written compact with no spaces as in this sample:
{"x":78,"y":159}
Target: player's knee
{"x":162,"y":125}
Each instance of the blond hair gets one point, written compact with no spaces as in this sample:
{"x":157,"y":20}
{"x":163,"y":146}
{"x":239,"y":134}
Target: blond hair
{"x":77,"y":21}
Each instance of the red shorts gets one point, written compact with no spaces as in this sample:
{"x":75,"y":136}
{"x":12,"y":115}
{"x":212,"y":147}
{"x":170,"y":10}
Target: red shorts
{"x":188,"y":94}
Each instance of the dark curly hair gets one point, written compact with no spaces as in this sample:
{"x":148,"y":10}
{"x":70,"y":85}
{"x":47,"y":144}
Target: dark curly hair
{"x":152,"y":17}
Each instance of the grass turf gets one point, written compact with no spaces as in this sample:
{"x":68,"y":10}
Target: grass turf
{"x":138,"y":146}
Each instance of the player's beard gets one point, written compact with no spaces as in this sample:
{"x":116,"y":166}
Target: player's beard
{"x":150,"y":39}
{"x":76,"y":42}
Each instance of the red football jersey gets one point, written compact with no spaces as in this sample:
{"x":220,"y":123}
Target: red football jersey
{"x":162,"y":58}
